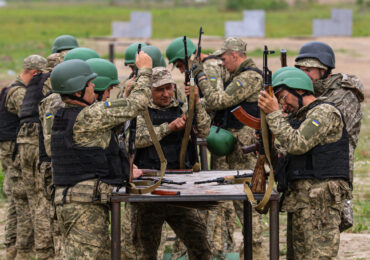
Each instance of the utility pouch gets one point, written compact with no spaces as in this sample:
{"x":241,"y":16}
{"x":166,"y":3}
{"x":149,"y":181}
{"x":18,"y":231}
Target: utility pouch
{"x":220,"y":141}
{"x":346,"y":218}
{"x":281,"y":174}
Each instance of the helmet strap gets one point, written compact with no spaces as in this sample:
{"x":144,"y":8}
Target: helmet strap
{"x":299,"y":96}
{"x":100,"y":94}
{"x":80,"y":98}
{"x":326,"y":74}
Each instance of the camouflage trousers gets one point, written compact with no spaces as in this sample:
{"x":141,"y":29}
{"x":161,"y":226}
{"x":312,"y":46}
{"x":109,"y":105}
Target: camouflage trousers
{"x":11,"y":213}
{"x":237,"y":160}
{"x":316,"y":206}
{"x":85,"y":230}
{"x":128,"y":230}
{"x":45,"y":187}
{"x":38,"y":204}
{"x":186,"y":223}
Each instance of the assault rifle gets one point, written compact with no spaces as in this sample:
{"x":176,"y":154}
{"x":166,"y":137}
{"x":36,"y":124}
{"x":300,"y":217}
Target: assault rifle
{"x":259,"y":175}
{"x":131,"y":141}
{"x":199,"y":51}
{"x":152,"y":172}
{"x":151,"y":181}
{"x":232,"y":179}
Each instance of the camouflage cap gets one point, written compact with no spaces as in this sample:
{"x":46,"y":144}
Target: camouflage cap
{"x":54,"y":59}
{"x":161,"y":76}
{"x":232,"y":44}
{"x":310,"y":63}
{"x":35,"y":62}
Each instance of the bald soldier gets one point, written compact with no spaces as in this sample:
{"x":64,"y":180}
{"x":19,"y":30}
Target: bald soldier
{"x":18,"y":230}
{"x":316,"y":167}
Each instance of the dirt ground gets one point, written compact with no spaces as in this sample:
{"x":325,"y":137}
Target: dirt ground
{"x":352,"y":57}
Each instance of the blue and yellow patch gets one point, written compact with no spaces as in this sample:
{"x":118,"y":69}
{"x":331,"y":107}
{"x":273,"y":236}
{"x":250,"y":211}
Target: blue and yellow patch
{"x":238,"y":83}
{"x":315,"y":123}
{"x":212,"y":79}
{"x":48,"y":115}
{"x":108,"y":104}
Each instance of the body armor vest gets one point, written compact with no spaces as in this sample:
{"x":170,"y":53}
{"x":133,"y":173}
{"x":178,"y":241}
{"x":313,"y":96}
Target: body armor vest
{"x":9,"y":122}
{"x":225,"y":119}
{"x":72,"y":164}
{"x":30,"y":106}
{"x":321,"y":162}
{"x":147,"y":157}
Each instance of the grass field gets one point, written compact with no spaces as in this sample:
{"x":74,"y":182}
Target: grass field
{"x":30,"y":28}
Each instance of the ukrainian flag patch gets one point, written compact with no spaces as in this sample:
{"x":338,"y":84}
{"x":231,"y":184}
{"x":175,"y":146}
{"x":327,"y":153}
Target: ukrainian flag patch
{"x":212,"y":79}
{"x":315,"y":123}
{"x":108,"y":104}
{"x":238,"y":83}
{"x":48,"y":115}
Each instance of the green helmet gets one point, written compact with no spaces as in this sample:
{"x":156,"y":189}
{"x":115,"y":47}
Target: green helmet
{"x":131,"y":51}
{"x":64,"y":42}
{"x":293,"y":78}
{"x":176,"y":51}
{"x":81,"y":53}
{"x":156,"y":55}
{"x":278,"y":71}
{"x":220,"y":141}
{"x":71,"y":76}
{"x":107,"y":73}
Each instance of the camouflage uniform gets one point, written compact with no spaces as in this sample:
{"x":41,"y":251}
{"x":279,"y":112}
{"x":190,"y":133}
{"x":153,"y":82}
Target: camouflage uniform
{"x":314,"y":203}
{"x":47,"y":108}
{"x":84,"y":225}
{"x":148,"y":229}
{"x":18,"y":228}
{"x":245,"y":86}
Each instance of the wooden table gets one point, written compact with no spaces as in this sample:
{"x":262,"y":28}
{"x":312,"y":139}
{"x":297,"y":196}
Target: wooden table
{"x":198,"y":193}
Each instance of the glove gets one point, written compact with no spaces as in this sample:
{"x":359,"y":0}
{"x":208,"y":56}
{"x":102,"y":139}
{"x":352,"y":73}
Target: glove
{"x":197,"y":70}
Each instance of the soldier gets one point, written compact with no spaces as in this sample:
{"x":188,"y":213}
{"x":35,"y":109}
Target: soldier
{"x":18,"y":229}
{"x":82,"y":138}
{"x":316,"y":166}
{"x":241,"y":89}
{"x":220,"y":236}
{"x":63,"y":44}
{"x":168,"y":118}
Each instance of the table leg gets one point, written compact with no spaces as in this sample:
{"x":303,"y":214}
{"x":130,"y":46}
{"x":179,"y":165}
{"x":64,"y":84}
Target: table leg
{"x":247,"y":230}
{"x":116,"y":231}
{"x":203,"y":158}
{"x":289,"y":238}
{"x":274,"y":229}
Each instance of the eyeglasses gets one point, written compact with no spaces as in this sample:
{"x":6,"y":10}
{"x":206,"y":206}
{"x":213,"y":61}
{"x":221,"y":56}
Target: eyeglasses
{"x":282,"y":100}
{"x":179,"y":64}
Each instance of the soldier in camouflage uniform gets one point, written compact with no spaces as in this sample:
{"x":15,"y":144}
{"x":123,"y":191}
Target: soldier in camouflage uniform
{"x":220,"y":236}
{"x":317,"y":164}
{"x":18,"y":229}
{"x":168,"y":117}
{"x":241,"y":89}
{"x":82,"y":194}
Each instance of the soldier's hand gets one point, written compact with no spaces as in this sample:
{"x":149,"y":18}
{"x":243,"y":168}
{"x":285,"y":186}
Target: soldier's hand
{"x":136,"y":172}
{"x":267,"y":103}
{"x":197,"y":70}
{"x":127,"y":90}
{"x":196,"y":93}
{"x":178,"y":124}
{"x":143,"y":60}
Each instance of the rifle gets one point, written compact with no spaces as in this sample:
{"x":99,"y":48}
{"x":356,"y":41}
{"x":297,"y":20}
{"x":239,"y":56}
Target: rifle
{"x":150,"y":181}
{"x":259,"y":175}
{"x":152,"y":172}
{"x":199,"y":51}
{"x":131,"y":141}
{"x":232,"y":179}
{"x":283,"y":59}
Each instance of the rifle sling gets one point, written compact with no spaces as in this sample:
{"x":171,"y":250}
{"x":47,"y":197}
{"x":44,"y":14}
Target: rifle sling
{"x":131,"y":188}
{"x":188,"y":126}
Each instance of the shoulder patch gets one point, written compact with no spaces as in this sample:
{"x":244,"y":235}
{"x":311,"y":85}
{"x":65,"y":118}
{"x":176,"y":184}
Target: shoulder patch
{"x":311,"y":129}
{"x":212,"y":79}
{"x":315,"y":123}
{"x":238,"y":83}
{"x":48,"y":115}
{"x":108,"y":104}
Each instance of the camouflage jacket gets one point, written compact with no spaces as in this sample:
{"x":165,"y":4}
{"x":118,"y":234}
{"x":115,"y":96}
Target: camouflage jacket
{"x":346,"y":92}
{"x":322,"y":125}
{"x":94,"y":123}
{"x":245,"y":86}
{"x":47,"y":109}
{"x":143,"y":138}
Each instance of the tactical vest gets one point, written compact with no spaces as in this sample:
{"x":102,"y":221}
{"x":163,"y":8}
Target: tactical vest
{"x":43,"y":157}
{"x":72,"y":163}
{"x":225,"y":119}
{"x":30,"y":106}
{"x":321,"y":162}
{"x":147,"y":158}
{"x":9,"y":122}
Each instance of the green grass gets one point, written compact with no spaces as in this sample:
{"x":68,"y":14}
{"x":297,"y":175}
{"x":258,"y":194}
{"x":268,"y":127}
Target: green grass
{"x":29,"y":28}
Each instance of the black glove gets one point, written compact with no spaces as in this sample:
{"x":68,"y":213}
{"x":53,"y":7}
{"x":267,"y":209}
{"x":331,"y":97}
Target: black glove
{"x":197,"y":70}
